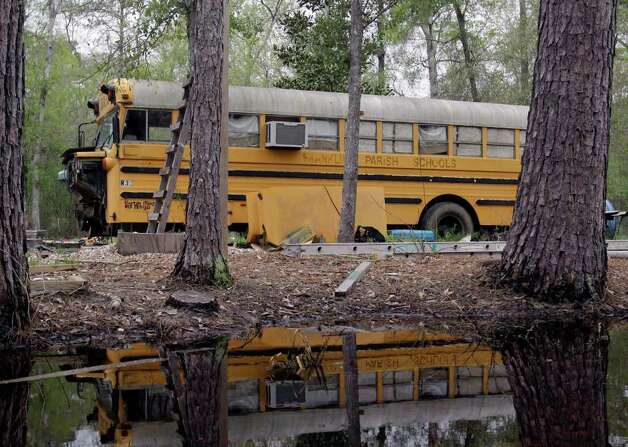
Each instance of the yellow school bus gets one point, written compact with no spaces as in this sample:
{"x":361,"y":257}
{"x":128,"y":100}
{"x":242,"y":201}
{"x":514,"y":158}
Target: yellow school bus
{"x":442,"y":164}
{"x":405,"y":377}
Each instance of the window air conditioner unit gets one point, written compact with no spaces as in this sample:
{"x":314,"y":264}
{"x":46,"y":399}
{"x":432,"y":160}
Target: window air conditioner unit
{"x":286,"y":394}
{"x":281,"y":134}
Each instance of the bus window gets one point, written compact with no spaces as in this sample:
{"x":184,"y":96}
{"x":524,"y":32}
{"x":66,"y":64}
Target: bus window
{"x":501,"y":143}
{"x":135,"y":125}
{"x":159,"y":125}
{"x":288,"y":119}
{"x":522,"y":139}
{"x":397,"y":138}
{"x":433,"y":140}
{"x":468,"y":141}
{"x":243,"y":130}
{"x":105,"y":132}
{"x":322,"y":134}
{"x":368,"y":136}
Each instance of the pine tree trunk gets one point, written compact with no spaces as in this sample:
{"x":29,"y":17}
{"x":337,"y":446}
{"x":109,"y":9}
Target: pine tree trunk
{"x":524,"y":68}
{"x":432,"y":65}
{"x":53,"y":10}
{"x":201,"y":400}
{"x":13,"y":398}
{"x":556,"y":249}
{"x":203,"y":258}
{"x":14,"y":307}
{"x":469,"y":65}
{"x":346,"y":230}
{"x":557,"y":374}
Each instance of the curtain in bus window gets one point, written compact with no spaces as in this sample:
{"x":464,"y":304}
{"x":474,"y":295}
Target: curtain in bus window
{"x":469,"y":141}
{"x":135,"y":125}
{"x":368,"y":136}
{"x":397,"y":138}
{"x":501,"y":143}
{"x":433,"y":140}
{"x":322,"y":134}
{"x":159,"y":125}
{"x":243,"y":130}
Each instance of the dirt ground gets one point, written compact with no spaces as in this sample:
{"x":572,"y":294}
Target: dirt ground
{"x":125,"y":300}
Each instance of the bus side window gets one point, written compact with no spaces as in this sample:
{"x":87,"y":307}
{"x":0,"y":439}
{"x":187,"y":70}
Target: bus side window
{"x":159,"y":125}
{"x":368,"y":137}
{"x":397,"y":138}
{"x":243,"y":130}
{"x":523,"y":140}
{"x":501,"y":143}
{"x":322,"y":134}
{"x":468,"y":141}
{"x":433,"y":140}
{"x":135,"y":125}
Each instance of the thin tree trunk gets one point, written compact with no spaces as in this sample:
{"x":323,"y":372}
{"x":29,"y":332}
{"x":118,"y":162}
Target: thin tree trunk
{"x":557,"y":374}
{"x":524,"y":75}
{"x":381,"y":50}
{"x":346,"y":232}
{"x":201,"y":400}
{"x":14,"y":303}
{"x":469,"y":64}
{"x":13,"y":398}
{"x":433,"y":439}
{"x":203,"y":258}
{"x":432,"y":65}
{"x":53,"y":10}
{"x":350,"y":370}
{"x":556,"y":249}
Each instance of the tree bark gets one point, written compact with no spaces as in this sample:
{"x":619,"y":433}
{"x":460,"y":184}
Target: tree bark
{"x":381,"y":50}
{"x":433,"y":438}
{"x":469,"y":64}
{"x":556,"y":249}
{"x":557,"y":374}
{"x":13,"y":398}
{"x":432,"y":65}
{"x":346,"y":230}
{"x":14,"y":303}
{"x":53,"y":10}
{"x":203,"y":258}
{"x":350,"y":370}
{"x":524,"y":68}
{"x":201,"y":400}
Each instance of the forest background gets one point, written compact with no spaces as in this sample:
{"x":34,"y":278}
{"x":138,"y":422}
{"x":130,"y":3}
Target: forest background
{"x":480,"y":50}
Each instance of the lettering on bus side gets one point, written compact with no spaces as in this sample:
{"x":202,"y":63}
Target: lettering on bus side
{"x":435,"y":163}
{"x":323,"y":158}
{"x":142,"y":205}
{"x":377,"y":364}
{"x":386,"y":161}
{"x":434,"y":359}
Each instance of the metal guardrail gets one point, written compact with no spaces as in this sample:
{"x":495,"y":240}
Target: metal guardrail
{"x":404,"y":248}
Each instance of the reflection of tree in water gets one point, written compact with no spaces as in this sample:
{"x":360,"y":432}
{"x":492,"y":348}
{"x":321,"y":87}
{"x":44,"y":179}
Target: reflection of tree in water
{"x":617,"y":383}
{"x":557,"y":372}
{"x":489,"y":432}
{"x":13,"y":398}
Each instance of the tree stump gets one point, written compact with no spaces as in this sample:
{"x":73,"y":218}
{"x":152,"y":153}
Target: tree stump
{"x":193,"y":300}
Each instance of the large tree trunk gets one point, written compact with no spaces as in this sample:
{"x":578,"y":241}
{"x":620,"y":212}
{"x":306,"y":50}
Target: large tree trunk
{"x":469,"y":64}
{"x":346,"y":232}
{"x":201,"y":400}
{"x":203,"y":258}
{"x":557,"y":373}
{"x":14,"y":307}
{"x":53,"y":10}
{"x":556,"y":244}
{"x":432,"y":65}
{"x":13,"y":398}
{"x":524,"y":68}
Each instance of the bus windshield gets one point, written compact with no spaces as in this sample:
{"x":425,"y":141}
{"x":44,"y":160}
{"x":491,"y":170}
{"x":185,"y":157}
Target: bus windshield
{"x":105,"y":132}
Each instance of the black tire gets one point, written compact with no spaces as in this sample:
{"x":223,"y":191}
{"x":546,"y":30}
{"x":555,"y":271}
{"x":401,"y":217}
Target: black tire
{"x":448,"y":217}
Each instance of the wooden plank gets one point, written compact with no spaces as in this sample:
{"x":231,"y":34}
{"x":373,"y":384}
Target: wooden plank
{"x":72,"y":372}
{"x":135,"y":243}
{"x":51,"y":268}
{"x":350,"y":281}
{"x":58,"y":285}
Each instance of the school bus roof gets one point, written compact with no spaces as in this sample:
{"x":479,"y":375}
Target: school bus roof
{"x":274,"y":101}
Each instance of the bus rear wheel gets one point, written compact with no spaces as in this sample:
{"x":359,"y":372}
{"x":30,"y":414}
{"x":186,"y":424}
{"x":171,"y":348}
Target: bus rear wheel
{"x":448,"y":218}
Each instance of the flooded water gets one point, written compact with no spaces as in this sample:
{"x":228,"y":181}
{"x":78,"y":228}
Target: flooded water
{"x":286,"y":388}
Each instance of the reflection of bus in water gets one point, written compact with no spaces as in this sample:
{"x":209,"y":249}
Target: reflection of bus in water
{"x":404,"y":377}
